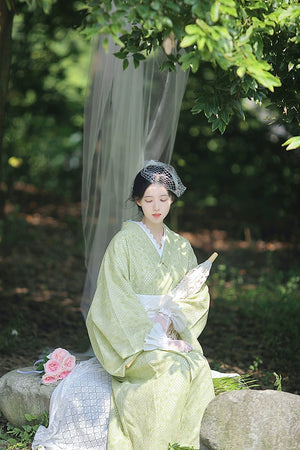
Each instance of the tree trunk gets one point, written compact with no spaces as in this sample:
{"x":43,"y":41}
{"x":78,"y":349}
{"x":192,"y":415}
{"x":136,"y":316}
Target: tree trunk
{"x":6,"y":22}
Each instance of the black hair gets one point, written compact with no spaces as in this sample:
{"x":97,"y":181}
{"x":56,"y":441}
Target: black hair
{"x":140,"y":184}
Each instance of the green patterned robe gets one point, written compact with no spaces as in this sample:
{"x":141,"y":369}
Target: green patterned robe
{"x":158,"y":396}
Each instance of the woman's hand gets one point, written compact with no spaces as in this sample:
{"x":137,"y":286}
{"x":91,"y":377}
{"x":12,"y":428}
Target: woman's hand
{"x":163,"y":320}
{"x":179,"y":346}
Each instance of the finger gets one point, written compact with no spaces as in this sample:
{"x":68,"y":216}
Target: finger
{"x":189,"y":347}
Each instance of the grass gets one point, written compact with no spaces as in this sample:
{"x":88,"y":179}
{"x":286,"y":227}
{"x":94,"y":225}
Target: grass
{"x":12,"y":438}
{"x":256,"y":314}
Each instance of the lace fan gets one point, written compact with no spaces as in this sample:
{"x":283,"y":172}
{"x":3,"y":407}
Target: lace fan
{"x":193,"y":280}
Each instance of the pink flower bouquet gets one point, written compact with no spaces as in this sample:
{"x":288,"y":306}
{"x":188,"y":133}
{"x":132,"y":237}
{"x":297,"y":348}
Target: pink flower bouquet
{"x":56,"y":366}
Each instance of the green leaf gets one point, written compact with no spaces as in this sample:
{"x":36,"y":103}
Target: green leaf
{"x":218,"y":124}
{"x":185,"y":60}
{"x":136,"y":62}
{"x":195,"y":62}
{"x":47,"y":5}
{"x":117,"y":40}
{"x":139,"y":56}
{"x":187,"y":41}
{"x":241,"y":71}
{"x":265,"y":78}
{"x":167,"y":65}
{"x":228,"y":10}
{"x":143,"y":10}
{"x":167,"y":21}
{"x":164,"y":66}
{"x":258,"y":46}
{"x":29,"y":417}
{"x":277,"y":382}
{"x":238,"y":108}
{"x":292,"y":143}
{"x":173,"y":6}
{"x":201,"y":44}
{"x":125,"y":64}
{"x":214,"y":12}
{"x":158,"y":24}
{"x":155,"y":5}
{"x":121,"y":55}
{"x":192,"y":29}
{"x":132,"y":15}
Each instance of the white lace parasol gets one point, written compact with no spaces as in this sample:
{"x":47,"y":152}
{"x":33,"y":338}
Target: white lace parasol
{"x":193,"y":280}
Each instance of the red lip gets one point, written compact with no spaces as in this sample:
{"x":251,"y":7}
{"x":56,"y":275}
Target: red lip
{"x":156,"y":215}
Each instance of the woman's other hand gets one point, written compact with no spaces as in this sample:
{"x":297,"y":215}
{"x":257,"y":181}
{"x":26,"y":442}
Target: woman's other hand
{"x":179,"y":346}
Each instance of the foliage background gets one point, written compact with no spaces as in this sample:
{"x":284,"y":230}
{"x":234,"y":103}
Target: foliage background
{"x":242,"y":177}
{"x":242,"y":200}
{"x":44,"y":113}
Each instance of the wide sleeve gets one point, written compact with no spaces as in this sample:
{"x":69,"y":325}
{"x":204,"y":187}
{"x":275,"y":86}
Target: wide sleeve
{"x":117,"y":323}
{"x":194,"y":308}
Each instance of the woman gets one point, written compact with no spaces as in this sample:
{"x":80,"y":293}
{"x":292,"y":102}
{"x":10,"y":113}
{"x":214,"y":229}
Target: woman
{"x":160,"y":381}
{"x":160,"y":386}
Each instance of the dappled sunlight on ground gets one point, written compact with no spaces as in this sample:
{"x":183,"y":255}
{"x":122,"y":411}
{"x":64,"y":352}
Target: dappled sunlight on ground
{"x":210,"y":240}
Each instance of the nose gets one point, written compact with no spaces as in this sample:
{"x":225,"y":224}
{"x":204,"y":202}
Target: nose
{"x":156,"y":205}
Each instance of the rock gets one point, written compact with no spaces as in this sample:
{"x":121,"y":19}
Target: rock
{"x":23,"y":394}
{"x":252,"y":420}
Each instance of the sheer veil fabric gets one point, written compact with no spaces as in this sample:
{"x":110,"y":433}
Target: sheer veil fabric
{"x":130,"y":116}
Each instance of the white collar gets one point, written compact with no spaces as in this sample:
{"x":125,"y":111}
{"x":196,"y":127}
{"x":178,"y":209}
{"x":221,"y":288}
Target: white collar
{"x":151,"y":237}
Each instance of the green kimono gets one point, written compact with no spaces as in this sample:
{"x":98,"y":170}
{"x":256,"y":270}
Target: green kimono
{"x":158,"y":396}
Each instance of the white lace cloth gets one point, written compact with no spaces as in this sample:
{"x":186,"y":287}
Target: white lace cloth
{"x":79,"y":411}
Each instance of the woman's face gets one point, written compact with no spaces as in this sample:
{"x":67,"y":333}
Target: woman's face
{"x":155,"y":204}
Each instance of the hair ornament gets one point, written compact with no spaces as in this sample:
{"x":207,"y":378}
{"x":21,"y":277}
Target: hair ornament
{"x":162,"y":173}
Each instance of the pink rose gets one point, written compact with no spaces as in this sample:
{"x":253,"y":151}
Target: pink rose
{"x":69,"y":362}
{"x":64,"y":374}
{"x":59,"y":354}
{"x":52,"y":367}
{"x":48,"y":379}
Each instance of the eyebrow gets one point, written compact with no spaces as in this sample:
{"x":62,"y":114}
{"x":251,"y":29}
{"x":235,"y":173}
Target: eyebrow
{"x":162,"y":195}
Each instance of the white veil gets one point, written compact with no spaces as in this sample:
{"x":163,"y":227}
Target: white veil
{"x":130,"y":116}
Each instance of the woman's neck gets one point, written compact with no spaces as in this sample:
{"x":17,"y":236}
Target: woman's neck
{"x":157,"y":230}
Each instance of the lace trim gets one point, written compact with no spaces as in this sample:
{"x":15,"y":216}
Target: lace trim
{"x":158,"y":247}
{"x":164,"y":304}
{"x":156,"y":339}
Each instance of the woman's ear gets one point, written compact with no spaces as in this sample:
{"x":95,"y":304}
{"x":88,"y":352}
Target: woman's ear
{"x":138,"y":202}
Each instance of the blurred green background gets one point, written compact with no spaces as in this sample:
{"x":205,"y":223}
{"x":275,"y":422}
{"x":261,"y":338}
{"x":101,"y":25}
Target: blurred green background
{"x":242,"y":200}
{"x":240,"y":180}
